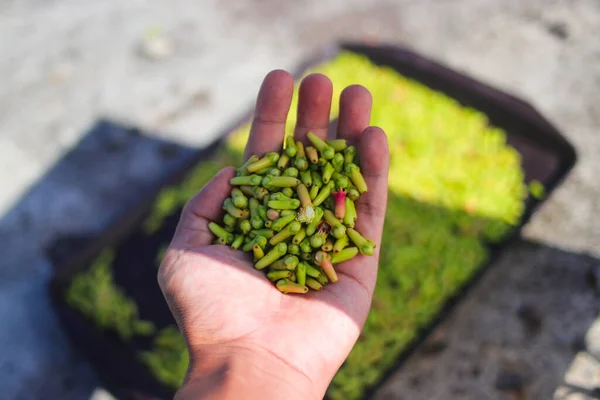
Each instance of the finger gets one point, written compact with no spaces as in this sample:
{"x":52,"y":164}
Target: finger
{"x":204,"y":207}
{"x":374,"y":162}
{"x":314,"y":105}
{"x":272,"y":107}
{"x":355,"y":113}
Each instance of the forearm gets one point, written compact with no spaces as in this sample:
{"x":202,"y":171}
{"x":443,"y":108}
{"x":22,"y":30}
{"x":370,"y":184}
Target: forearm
{"x":240,"y":374}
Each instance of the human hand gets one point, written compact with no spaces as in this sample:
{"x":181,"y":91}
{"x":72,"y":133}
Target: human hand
{"x":247,"y":339}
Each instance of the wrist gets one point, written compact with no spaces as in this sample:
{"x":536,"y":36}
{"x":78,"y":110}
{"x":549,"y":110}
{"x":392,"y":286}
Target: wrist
{"x":229,"y":372}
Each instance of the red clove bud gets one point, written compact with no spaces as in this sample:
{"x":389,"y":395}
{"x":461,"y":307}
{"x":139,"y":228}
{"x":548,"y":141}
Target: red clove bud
{"x":340,"y":202}
{"x":324,"y":261}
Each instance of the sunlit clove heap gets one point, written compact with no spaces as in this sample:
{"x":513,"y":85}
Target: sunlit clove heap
{"x":295,"y":213}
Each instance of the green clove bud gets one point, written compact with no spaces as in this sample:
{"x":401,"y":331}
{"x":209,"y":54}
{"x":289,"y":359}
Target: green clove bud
{"x":338,"y":162}
{"x":338,"y":144}
{"x":312,"y":271}
{"x":263,"y":171}
{"x":323,"y":194}
{"x":237,"y":242}
{"x":291,"y":172}
{"x":337,"y":228}
{"x":311,"y":228}
{"x":305,"y":246}
{"x":299,"y":237}
{"x":365,"y":246}
{"x":327,"y":246}
{"x":262,"y":212}
{"x":260,"y":192}
{"x":328,"y":171}
{"x":258,"y":252}
{"x":294,"y":249}
{"x":245,"y":226}
{"x":274,"y":276}
{"x":306,"y":256}
{"x":284,"y":204}
{"x":247,"y":190}
{"x":281,"y":222}
{"x":322,"y":279}
{"x":350,"y":215}
{"x":243,"y":170}
{"x":280,"y":181}
{"x":240,"y":201}
{"x":274,"y":171}
{"x":344,"y":255}
{"x":313,"y":284}
{"x":291,"y":261}
{"x":273,"y":255}
{"x":229,"y":221}
{"x":326,"y":150}
{"x":340,"y":244}
{"x":349,"y":154}
{"x":353,"y":172}
{"x":306,"y":178}
{"x":257,"y":241}
{"x":248,"y":180}
{"x":266,"y":233}
{"x":220,"y":232}
{"x":279,"y":196}
{"x":340,"y":180}
{"x":287,"y":286}
{"x":290,"y":149}
{"x":301,"y":274}
{"x":304,"y":196}
{"x":300,"y":161}
{"x":233,"y":210}
{"x":317,"y":240}
{"x":353,"y":194}
{"x":278,"y":265}
{"x":289,"y":192}
{"x":290,"y":230}
{"x":283,"y":161}
{"x":312,"y":154}
{"x":267,"y":161}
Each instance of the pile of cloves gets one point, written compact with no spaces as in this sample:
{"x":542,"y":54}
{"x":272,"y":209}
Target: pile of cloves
{"x":295,"y":212}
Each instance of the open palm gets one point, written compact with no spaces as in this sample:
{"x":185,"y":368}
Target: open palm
{"x":231,"y":316}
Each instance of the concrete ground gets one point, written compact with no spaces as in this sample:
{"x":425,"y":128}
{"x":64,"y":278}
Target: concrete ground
{"x":65,"y":63}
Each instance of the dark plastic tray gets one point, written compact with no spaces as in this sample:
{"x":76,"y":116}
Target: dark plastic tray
{"x":547,"y":157}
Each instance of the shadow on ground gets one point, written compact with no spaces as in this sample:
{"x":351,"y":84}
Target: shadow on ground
{"x":90,"y":186}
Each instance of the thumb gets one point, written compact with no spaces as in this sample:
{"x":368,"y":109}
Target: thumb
{"x":204,"y":207}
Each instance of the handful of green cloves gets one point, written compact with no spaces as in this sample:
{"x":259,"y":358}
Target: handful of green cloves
{"x":295,"y":212}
